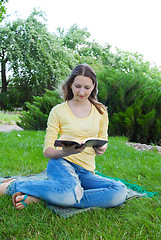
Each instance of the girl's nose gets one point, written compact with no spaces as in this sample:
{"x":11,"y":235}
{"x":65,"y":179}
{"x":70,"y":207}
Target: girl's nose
{"x":82,"y":90}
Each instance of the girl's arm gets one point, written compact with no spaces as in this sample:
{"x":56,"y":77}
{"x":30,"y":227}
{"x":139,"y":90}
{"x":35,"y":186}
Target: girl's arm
{"x":103,"y":133}
{"x":53,"y":153}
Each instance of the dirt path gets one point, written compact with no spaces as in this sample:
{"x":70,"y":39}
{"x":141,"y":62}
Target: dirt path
{"x":9,"y":128}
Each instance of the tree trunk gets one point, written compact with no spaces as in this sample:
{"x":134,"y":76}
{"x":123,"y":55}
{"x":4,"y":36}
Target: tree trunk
{"x":3,"y":95}
{"x":3,"y":73}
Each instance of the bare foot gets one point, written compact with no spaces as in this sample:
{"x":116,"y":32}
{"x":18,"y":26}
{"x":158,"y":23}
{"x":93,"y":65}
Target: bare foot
{"x":20,"y":201}
{"x":4,"y":184}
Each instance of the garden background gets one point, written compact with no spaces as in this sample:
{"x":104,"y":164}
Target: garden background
{"x":34,"y":63}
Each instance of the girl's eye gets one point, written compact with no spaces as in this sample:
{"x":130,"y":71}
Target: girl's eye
{"x":78,"y":86}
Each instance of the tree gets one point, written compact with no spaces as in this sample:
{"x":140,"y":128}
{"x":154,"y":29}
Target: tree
{"x":2,"y":9}
{"x":6,"y":49}
{"x":38,"y":59}
{"x":43,"y":60}
{"x":74,"y":37}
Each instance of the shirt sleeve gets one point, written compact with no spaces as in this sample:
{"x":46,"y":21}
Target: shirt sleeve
{"x":52,"y":130}
{"x":103,"y":129}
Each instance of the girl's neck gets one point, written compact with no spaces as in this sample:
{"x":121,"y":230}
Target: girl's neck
{"x":85,"y":103}
{"x":80,"y":109}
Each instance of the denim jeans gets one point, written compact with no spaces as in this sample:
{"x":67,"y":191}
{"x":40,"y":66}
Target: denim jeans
{"x":68,"y":184}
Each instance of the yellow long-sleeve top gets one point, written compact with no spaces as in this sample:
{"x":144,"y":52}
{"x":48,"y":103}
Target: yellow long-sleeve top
{"x":63,"y":122}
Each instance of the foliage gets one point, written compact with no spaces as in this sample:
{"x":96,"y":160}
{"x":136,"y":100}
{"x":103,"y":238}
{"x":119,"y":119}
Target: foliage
{"x":74,"y":37}
{"x":35,"y":118}
{"x":138,"y":218}
{"x":133,"y":97}
{"x":91,"y":52}
{"x":2,"y":9}
{"x":3,"y":100}
{"x":38,"y":59}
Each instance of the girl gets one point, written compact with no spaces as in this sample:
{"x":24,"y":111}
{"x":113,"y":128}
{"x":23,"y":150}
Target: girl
{"x":71,"y":180}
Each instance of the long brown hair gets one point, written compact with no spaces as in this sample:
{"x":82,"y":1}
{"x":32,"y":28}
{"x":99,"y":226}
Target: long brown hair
{"x":87,"y":71}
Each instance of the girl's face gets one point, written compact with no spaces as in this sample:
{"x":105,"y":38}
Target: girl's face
{"x":82,"y":87}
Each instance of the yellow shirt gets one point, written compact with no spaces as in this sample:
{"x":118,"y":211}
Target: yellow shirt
{"x":63,"y":122}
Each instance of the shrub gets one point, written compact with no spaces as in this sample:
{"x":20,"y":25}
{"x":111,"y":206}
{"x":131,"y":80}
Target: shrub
{"x":3,"y":100}
{"x":138,"y":127}
{"x":35,"y":118}
{"x":134,"y":104}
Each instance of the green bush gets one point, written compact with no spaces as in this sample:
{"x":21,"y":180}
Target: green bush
{"x":138,"y":127}
{"x":3,"y":100}
{"x":35,"y":118}
{"x":133,"y":98}
{"x":134,"y":104}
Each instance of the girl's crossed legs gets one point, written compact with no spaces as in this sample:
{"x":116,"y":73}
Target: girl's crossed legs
{"x":71,"y":185}
{"x":99,"y":191}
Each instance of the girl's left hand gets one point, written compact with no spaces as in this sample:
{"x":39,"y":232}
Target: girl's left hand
{"x":100,"y":150}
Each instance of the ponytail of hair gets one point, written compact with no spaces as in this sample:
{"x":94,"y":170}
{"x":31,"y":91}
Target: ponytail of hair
{"x":99,"y":106}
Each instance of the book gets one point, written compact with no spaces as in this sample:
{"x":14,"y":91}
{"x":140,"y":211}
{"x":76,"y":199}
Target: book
{"x":88,"y":142}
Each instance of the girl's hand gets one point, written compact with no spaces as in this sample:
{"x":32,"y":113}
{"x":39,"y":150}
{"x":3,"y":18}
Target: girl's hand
{"x":72,"y":149}
{"x":100,"y":150}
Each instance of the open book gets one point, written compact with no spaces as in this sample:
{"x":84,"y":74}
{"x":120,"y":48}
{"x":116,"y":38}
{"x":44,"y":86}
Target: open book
{"x":88,"y":142}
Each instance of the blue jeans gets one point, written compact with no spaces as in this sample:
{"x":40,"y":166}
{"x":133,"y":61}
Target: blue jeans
{"x":71,"y":185}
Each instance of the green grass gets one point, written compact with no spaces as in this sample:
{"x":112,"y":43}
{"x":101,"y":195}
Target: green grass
{"x":8,"y":118}
{"x":21,"y":153}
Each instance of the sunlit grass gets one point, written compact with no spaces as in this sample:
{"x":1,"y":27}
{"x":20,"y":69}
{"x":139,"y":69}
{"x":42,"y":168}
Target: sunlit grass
{"x":21,"y":153}
{"x":24,"y":152}
{"x":8,"y":118}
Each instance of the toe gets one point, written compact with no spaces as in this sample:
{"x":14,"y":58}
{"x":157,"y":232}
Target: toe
{"x":19,"y":206}
{"x":19,"y":198}
{"x":14,"y":197}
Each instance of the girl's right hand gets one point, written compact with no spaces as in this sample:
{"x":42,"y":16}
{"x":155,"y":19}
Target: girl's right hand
{"x":72,"y":149}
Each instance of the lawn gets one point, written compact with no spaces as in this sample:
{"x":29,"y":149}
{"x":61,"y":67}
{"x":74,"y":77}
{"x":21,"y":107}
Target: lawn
{"x":21,"y":153}
{"x":8,"y":117}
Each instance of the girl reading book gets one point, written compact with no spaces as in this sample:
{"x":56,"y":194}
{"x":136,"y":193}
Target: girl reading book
{"x":71,"y":180}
